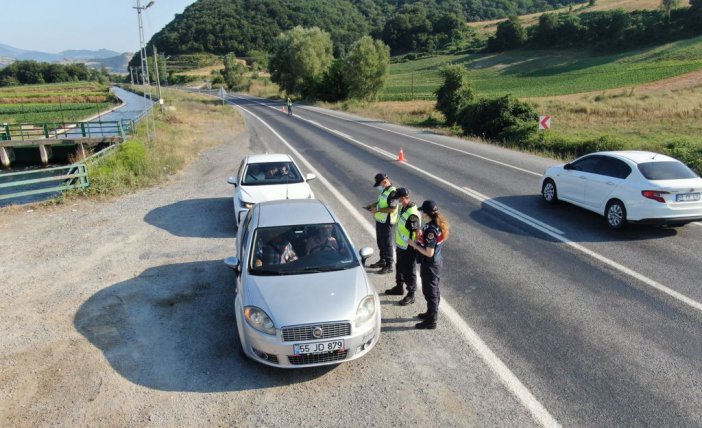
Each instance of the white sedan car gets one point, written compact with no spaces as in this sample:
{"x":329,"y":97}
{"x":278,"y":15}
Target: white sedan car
{"x":303,"y":297}
{"x":265,"y":178}
{"x":628,"y":186}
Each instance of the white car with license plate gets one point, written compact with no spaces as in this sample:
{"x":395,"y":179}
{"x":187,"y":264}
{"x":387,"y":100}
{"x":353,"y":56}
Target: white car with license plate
{"x":628,"y":186}
{"x":303,"y":297}
{"x":267,"y":177}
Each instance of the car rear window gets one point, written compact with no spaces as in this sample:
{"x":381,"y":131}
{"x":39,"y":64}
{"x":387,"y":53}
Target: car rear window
{"x":670,"y":170}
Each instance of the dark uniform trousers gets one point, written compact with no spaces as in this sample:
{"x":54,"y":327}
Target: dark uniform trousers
{"x":430,"y":273}
{"x":405,"y":269}
{"x":384,"y":235}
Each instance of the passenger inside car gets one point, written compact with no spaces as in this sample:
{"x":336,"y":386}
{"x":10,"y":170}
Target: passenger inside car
{"x":274,"y":248}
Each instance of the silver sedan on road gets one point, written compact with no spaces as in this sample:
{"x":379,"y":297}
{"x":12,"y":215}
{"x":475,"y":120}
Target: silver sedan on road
{"x":303,"y":297}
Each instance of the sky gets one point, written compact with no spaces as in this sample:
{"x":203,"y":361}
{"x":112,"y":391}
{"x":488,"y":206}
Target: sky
{"x":56,"y":25}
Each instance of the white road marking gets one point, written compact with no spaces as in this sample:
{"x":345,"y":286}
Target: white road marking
{"x":698,"y":224}
{"x":432,"y":142}
{"x":548,"y":230}
{"x":508,"y":379}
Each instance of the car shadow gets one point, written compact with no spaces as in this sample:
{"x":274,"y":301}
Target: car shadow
{"x":196,"y":218}
{"x":575,"y":223}
{"x":172,"y":328}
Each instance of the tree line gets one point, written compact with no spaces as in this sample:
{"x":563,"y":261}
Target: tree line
{"x":607,"y":30}
{"x":242,"y":26}
{"x":302,"y":63}
{"x":33,"y":72}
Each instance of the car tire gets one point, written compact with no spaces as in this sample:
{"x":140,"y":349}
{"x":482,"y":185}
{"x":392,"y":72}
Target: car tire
{"x":615,"y":214}
{"x":549,"y":191}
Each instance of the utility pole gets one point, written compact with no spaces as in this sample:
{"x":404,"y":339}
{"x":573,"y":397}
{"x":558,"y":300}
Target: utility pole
{"x":148,"y":99}
{"x":158,"y":80}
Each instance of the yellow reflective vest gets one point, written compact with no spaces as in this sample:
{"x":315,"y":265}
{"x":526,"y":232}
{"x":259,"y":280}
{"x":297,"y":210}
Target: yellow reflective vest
{"x":402,"y":233}
{"x":384,"y":202}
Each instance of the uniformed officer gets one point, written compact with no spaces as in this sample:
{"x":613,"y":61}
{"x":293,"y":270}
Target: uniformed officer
{"x":406,"y":229}
{"x":428,"y":245}
{"x":384,"y":211}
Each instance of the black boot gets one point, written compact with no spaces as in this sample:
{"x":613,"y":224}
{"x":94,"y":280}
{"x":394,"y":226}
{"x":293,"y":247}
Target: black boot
{"x":426,"y":325}
{"x":408,"y":299}
{"x":423,"y":316}
{"x":386,"y":269}
{"x":395,"y":291}
{"x":379,"y":264}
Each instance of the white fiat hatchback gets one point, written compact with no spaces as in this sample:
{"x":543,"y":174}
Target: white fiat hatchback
{"x":265,"y":178}
{"x":303,"y":297}
{"x":628,"y":186}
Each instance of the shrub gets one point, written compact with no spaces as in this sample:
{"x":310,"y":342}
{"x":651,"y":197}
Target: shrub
{"x":686,"y":151}
{"x":454,"y":94}
{"x":502,"y":119}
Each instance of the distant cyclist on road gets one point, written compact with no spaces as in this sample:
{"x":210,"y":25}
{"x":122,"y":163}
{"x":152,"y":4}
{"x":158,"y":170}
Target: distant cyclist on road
{"x":289,"y":107}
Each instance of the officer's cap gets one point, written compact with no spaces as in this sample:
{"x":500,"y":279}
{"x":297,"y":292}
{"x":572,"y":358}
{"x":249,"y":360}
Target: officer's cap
{"x":429,"y":207}
{"x":378,"y":178}
{"x":401,"y":192}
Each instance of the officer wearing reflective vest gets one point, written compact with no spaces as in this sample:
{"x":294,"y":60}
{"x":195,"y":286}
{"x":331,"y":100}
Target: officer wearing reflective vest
{"x":384,"y":212}
{"x":406,"y":229}
{"x":429,"y":245}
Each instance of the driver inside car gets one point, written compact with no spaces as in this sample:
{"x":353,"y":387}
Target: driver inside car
{"x":322,"y":240}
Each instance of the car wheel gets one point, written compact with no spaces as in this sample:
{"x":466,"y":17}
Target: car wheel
{"x":615,"y":214}
{"x":549,"y":192}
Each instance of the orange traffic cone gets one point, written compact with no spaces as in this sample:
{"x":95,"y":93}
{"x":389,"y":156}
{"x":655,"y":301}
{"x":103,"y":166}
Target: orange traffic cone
{"x":401,"y":156}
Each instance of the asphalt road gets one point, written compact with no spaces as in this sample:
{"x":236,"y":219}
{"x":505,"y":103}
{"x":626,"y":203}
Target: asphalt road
{"x":579,"y":325}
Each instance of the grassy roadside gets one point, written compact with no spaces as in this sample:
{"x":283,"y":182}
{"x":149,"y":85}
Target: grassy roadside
{"x":190,"y":123}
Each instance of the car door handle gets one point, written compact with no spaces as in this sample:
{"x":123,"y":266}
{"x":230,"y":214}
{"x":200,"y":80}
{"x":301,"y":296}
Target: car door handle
{"x":610,"y":183}
{"x":582,"y":177}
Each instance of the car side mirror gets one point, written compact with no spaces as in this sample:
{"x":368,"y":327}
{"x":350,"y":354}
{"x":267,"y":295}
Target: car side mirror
{"x":568,"y":167}
{"x":233,"y":180}
{"x":232,"y":263}
{"x":365,"y":254}
{"x":310,"y":176}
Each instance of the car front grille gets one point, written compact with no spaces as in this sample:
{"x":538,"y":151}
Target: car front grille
{"x":317,"y":358}
{"x":304,"y":332}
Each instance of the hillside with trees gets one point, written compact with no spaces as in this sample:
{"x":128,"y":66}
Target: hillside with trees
{"x":242,"y":26}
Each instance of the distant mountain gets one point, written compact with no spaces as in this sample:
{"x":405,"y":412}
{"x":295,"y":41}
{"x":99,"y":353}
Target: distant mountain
{"x":22,"y":54}
{"x":115,"y":62}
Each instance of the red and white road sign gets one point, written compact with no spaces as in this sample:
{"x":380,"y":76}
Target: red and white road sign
{"x":544,"y":122}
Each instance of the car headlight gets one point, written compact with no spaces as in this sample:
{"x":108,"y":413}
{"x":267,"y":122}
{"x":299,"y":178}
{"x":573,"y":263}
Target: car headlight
{"x":259,"y":320}
{"x":365,"y":310}
{"x":247,"y":205}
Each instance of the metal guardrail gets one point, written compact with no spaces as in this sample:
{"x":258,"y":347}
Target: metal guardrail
{"x":56,"y":130}
{"x":129,"y":125}
{"x":44,"y":180}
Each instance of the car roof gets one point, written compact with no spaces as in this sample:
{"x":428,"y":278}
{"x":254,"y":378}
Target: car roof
{"x":275,"y":157}
{"x":638,"y":156}
{"x":293,"y":212}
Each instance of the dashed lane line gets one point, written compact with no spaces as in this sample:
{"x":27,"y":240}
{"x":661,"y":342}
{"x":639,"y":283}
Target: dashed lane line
{"x":548,"y":230}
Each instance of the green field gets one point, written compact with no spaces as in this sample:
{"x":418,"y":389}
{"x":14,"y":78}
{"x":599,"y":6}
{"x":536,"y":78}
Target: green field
{"x":65,"y":102}
{"x":530,"y":73}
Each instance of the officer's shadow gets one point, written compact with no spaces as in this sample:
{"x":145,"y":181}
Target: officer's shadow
{"x":384,"y":327}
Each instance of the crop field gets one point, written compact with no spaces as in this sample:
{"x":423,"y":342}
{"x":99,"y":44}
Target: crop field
{"x":489,"y":27}
{"x":546,"y":73}
{"x":63,"y":102}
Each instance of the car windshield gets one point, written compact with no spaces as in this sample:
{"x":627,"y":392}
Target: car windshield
{"x":294,"y":250}
{"x":271,"y":173}
{"x":668,"y":170}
